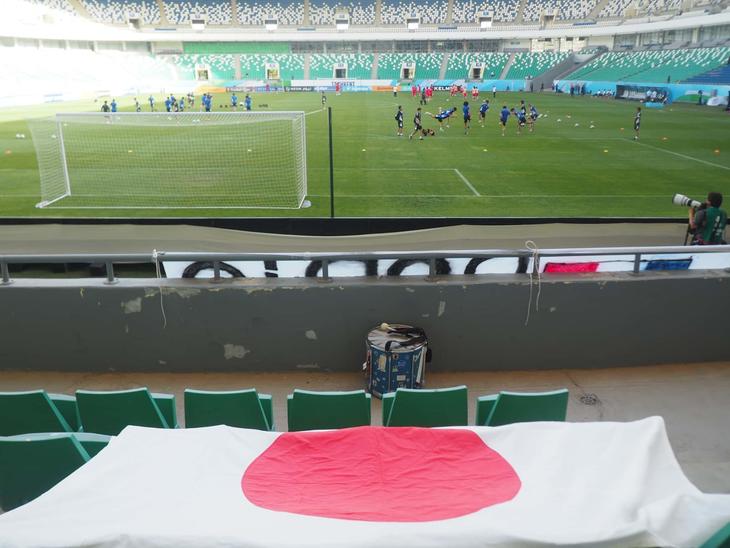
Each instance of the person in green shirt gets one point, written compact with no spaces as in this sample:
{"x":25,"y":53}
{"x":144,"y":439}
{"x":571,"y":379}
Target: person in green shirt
{"x":709,"y":221}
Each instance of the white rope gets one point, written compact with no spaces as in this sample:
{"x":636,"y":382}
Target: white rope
{"x":158,"y":271}
{"x":535,"y":270}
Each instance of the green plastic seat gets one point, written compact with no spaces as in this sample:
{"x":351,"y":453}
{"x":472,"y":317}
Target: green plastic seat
{"x":30,"y":467}
{"x":239,"y":408}
{"x":427,"y":408}
{"x":93,"y":443}
{"x":110,"y":412}
{"x":721,"y":539}
{"x":67,"y":406}
{"x":511,"y":407}
{"x":166,"y":405}
{"x":32,"y":411}
{"x":327,"y":410}
{"x":485,"y":404}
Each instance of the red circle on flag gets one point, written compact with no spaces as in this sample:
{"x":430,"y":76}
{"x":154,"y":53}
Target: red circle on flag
{"x":380,"y":474}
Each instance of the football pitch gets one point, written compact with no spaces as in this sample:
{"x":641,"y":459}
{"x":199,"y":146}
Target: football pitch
{"x":566,"y":168}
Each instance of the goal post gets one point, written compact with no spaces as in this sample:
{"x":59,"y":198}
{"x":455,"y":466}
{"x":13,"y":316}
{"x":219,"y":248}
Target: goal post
{"x":218,"y":160}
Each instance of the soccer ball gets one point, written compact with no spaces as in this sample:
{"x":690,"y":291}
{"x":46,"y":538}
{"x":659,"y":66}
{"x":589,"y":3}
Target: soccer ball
{"x":576,"y":125}
{"x":559,"y":120}
{"x":592,"y":126}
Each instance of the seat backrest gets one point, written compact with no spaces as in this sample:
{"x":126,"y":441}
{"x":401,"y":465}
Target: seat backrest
{"x":239,"y":408}
{"x":439,"y":407}
{"x":27,"y":412}
{"x":328,"y":410}
{"x":110,"y":412}
{"x":30,"y":467}
{"x":514,"y":407}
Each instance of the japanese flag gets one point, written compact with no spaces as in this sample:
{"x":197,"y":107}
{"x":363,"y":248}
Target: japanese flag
{"x":598,"y":484}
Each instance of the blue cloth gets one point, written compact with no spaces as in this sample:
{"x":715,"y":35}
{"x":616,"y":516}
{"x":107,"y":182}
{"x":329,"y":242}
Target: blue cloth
{"x":504,"y":114}
{"x":484,"y":108}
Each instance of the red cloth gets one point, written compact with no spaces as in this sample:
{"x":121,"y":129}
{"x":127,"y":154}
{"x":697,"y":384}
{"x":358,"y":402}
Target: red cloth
{"x":380,"y":474}
{"x":570,"y":267}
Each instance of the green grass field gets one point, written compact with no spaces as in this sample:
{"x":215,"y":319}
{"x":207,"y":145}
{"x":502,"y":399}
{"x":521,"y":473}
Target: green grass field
{"x":560,"y":170}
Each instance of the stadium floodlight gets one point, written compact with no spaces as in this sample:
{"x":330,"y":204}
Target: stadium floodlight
{"x":165,"y":160}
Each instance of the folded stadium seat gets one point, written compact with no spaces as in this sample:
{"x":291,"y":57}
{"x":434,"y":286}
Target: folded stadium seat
{"x":511,"y":407}
{"x":92,"y":443}
{"x":32,"y":411}
{"x":69,"y":410}
{"x":109,"y":412}
{"x":439,"y":407}
{"x":327,"y":410}
{"x":239,"y":408}
{"x":30,"y":467}
{"x":166,"y":405}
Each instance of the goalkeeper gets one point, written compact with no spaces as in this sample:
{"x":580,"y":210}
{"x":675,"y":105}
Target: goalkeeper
{"x":441,"y":116}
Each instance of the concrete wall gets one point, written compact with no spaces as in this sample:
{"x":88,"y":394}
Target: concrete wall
{"x":473,"y":322}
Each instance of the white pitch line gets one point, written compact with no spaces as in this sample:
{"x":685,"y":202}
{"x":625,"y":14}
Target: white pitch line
{"x":466,"y":182}
{"x":471,"y":197}
{"x":678,"y":154}
{"x":313,"y":112}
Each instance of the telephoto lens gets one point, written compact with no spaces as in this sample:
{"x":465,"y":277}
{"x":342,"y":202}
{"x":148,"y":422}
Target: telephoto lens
{"x":685,"y":201}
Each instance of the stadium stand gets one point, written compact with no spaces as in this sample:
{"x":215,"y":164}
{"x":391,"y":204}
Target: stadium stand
{"x":179,"y":12}
{"x":614,"y":8}
{"x":567,"y":9}
{"x":322,"y":12}
{"x":287,"y":12}
{"x":659,"y":6}
{"x":221,"y":65}
{"x":118,"y":12}
{"x":459,"y":64}
{"x":394,"y":12}
{"x":60,"y":5}
{"x":529,"y":65}
{"x":652,"y":66}
{"x":428,"y":65}
{"x":358,"y":65}
{"x":465,"y":11}
{"x":253,"y":66}
{"x":720,"y":75}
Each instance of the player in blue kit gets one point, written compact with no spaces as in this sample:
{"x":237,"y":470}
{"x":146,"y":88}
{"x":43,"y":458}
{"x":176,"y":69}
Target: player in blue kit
{"x":503,"y":117}
{"x":483,"y":108}
{"x":467,"y":117}
{"x":247,"y":102}
{"x":441,"y":116}
{"x":234,"y":101}
{"x":152,"y":103}
{"x":168,"y":104}
{"x":114,"y":105}
{"x":521,"y":119}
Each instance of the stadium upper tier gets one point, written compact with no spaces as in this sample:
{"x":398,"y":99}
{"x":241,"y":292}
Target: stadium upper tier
{"x":459,"y":64}
{"x":652,"y":66}
{"x":360,"y":12}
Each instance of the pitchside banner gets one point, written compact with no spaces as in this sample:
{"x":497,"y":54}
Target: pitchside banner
{"x":529,"y":484}
{"x":458,"y":266}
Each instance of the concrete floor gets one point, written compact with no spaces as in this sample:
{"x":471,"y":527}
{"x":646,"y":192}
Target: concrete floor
{"x":694,"y":399}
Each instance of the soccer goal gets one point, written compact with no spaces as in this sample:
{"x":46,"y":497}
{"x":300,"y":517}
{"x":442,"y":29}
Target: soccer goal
{"x":172,"y":160}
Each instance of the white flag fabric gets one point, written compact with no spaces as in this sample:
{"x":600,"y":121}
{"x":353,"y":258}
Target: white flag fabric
{"x":597,"y":484}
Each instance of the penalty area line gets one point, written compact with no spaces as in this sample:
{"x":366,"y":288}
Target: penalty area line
{"x":679,"y":154}
{"x":466,"y":182}
{"x":313,"y":112}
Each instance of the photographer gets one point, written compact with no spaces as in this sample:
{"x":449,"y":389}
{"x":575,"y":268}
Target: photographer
{"x":708,"y":221}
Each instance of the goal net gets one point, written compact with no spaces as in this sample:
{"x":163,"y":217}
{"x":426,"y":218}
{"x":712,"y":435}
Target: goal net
{"x":171,"y":160}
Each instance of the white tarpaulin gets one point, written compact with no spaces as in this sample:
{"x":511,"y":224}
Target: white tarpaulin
{"x":598,"y":484}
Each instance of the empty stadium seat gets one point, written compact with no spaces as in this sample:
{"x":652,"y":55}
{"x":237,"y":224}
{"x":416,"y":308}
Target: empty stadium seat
{"x":32,"y":411}
{"x":511,"y":407}
{"x":58,"y":5}
{"x":427,"y":408}
{"x":220,"y":65}
{"x":359,"y":65}
{"x":66,"y":405}
{"x":239,"y":408}
{"x":530,"y":65}
{"x":654,"y":66}
{"x":287,"y":12}
{"x":428,"y":65}
{"x":30,"y":467}
{"x":119,"y":11}
{"x":567,"y":9}
{"x":110,"y":412}
{"x":467,"y":11}
{"x":395,"y":12}
{"x":166,"y":405}
{"x":253,"y":66}
{"x":459,"y":64}
{"x":322,"y":12}
{"x":325,"y":410}
{"x":216,"y":12}
{"x":92,"y":443}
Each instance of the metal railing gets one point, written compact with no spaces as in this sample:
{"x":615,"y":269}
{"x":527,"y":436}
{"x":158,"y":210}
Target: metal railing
{"x":326,"y":258}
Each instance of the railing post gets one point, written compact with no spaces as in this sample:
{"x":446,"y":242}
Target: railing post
{"x":110,"y":279}
{"x":432,"y":267}
{"x":325,"y":270}
{"x":217,"y":271}
{"x":637,"y":263}
{"x":6,"y":274}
